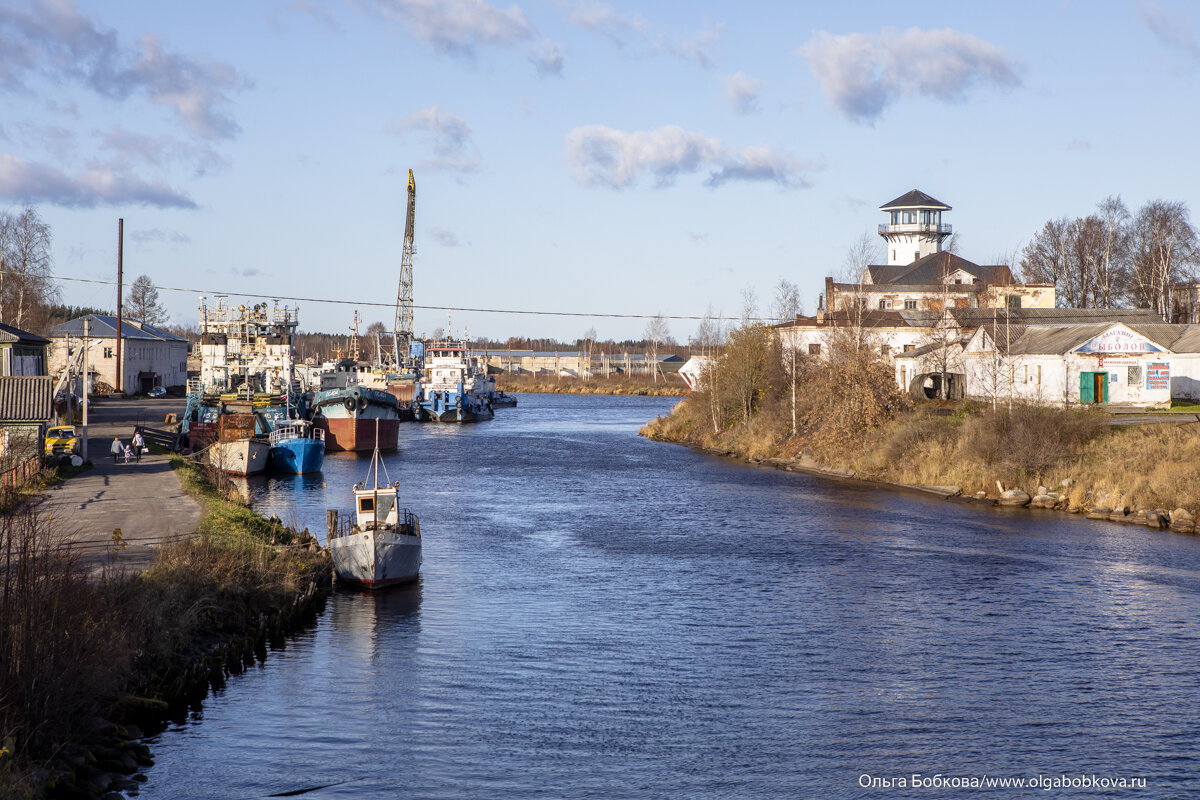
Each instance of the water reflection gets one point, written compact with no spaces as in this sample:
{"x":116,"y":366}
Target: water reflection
{"x":603,"y":616}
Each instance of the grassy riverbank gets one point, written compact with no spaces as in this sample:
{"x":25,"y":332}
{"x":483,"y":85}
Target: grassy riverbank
{"x":974,"y":447}
{"x":671,"y":386}
{"x":89,"y":662}
{"x":842,"y":411}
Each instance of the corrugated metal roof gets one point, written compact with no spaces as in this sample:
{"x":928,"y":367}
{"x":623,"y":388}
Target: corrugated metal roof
{"x":8,"y":333}
{"x":103,"y":326}
{"x":26,"y":398}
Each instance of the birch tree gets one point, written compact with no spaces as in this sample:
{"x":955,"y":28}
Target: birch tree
{"x":1165,"y":252}
{"x":27,"y":266}
{"x":787,"y":307}
{"x":655,"y":334}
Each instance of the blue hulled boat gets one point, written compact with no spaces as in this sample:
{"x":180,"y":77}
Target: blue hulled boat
{"x":297,"y":446}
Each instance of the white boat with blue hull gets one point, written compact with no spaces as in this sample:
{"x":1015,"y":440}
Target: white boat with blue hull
{"x":297,"y":447}
{"x":382,"y":547}
{"x":456,"y":388}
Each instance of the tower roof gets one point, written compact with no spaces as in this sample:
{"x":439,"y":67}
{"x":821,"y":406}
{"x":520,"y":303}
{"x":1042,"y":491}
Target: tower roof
{"x":915,"y":199}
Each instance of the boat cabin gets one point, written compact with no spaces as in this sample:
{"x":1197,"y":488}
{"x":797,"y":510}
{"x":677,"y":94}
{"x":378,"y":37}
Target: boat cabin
{"x":376,"y":508}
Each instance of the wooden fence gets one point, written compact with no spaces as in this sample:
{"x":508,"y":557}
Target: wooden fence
{"x":19,"y":474}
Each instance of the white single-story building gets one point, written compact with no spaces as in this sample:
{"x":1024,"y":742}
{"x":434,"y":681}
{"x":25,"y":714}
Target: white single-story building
{"x":150,"y":356}
{"x":1088,"y":364}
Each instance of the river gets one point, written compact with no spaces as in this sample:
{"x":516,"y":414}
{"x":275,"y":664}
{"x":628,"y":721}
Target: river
{"x":604,"y":616}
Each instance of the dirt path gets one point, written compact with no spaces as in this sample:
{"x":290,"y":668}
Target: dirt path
{"x":144,"y":500}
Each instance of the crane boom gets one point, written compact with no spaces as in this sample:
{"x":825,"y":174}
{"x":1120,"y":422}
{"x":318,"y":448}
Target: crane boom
{"x":404,"y":294}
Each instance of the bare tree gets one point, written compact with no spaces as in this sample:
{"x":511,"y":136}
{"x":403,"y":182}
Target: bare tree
{"x":1046,"y":260}
{"x":656,"y":333}
{"x":787,"y":308}
{"x":1112,"y":264}
{"x":1165,"y":251}
{"x":142,"y":302}
{"x":851,"y":330}
{"x":28,"y":263}
{"x":588,"y":343}
{"x":749,"y":306}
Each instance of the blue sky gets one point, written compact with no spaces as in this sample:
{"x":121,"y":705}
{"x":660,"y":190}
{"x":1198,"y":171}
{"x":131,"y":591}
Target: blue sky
{"x":569,"y":155}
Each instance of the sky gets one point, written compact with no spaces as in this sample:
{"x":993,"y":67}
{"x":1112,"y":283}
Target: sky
{"x":570,"y":155}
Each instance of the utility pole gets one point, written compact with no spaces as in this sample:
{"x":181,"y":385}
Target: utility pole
{"x":120,"y":291}
{"x":83,"y":451}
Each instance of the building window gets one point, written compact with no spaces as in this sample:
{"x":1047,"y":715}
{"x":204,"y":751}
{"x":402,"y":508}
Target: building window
{"x":1039,"y":374}
{"x":108,"y":352}
{"x":884,"y":305}
{"x":908,"y":348}
{"x":814,"y":349}
{"x":903,"y":378}
{"x":910,"y":305}
{"x":909,"y":217}
{"x":1135,"y":375}
{"x":1013,"y":301}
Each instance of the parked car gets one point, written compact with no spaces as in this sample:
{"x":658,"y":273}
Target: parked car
{"x":157,"y":391}
{"x":61,"y":441}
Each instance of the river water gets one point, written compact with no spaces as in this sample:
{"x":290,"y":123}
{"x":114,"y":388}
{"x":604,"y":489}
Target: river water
{"x":603,"y":616}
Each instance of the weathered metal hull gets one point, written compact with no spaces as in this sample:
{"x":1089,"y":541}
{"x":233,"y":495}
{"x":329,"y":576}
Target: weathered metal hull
{"x":376,"y":559}
{"x":357,"y":434}
{"x":240,"y":457}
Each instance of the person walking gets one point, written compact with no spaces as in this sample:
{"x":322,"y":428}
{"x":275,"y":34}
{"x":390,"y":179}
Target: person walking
{"x":116,"y":449}
{"x":138,"y":444}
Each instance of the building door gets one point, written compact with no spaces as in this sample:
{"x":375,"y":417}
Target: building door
{"x":1093,"y":387}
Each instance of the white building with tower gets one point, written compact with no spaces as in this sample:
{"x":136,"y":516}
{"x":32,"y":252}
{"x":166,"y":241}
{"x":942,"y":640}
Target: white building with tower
{"x":914,"y":228}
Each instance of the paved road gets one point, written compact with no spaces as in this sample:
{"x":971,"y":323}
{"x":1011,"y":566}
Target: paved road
{"x":144,"y":500}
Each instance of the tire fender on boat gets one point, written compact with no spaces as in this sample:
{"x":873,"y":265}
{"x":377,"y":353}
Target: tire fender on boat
{"x":349,"y":404}
{"x":362,"y":404}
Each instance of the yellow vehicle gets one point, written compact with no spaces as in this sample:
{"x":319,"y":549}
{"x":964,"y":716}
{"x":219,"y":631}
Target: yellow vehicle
{"x":61,"y":440}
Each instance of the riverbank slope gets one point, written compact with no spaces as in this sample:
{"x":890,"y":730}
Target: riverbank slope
{"x":89,"y":661}
{"x":643,"y":387}
{"x":1060,"y":458}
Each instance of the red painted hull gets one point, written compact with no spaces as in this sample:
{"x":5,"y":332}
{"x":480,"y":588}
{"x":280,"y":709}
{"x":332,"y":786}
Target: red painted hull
{"x":373,"y":585}
{"x":358,"y":435}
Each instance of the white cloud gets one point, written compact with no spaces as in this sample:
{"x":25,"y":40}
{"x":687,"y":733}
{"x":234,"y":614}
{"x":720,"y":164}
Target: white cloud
{"x":130,"y":147}
{"x":742,"y":92}
{"x":547,"y":59}
{"x":25,"y":182}
{"x":453,"y":148}
{"x":1170,"y":30}
{"x":457,"y":26}
{"x":444,"y":237}
{"x":52,"y":39}
{"x":159,"y":236}
{"x":862,"y":74}
{"x":698,"y":48}
{"x":602,"y":156}
{"x":602,"y":19}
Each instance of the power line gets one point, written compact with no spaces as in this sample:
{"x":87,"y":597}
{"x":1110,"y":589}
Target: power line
{"x":259,"y":295}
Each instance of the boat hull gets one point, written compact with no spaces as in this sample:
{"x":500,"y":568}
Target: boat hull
{"x":240,"y":457}
{"x":296,"y":456}
{"x":376,"y":559}
{"x":357,"y":434}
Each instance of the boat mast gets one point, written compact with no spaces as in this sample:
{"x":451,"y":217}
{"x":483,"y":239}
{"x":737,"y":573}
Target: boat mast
{"x":403,"y":327}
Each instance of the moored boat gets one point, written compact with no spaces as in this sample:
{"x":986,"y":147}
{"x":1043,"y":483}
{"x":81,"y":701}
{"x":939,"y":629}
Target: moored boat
{"x":349,"y":417}
{"x":297,"y":447}
{"x":456,"y":388}
{"x":382,"y":546}
{"x":502,"y":400}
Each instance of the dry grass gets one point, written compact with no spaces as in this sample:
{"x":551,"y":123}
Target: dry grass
{"x":74,"y":649}
{"x":972,"y":447}
{"x":669,"y":386}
